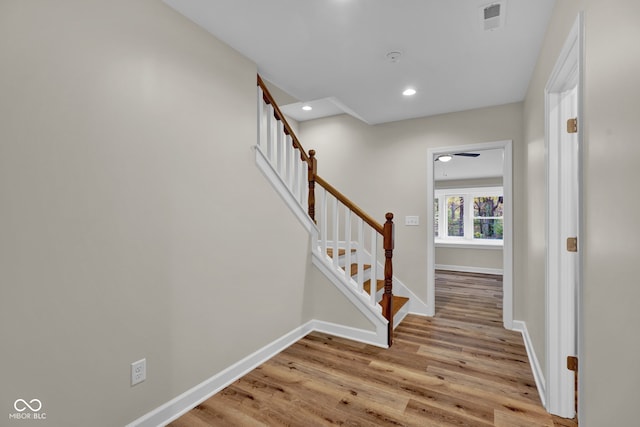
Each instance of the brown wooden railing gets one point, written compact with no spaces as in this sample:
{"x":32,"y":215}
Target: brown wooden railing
{"x":386,"y":230}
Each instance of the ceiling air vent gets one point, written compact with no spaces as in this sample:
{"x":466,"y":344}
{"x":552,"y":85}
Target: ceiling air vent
{"x":492,"y":15}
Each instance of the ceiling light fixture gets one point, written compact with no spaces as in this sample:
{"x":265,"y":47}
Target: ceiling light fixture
{"x":307,"y":107}
{"x":409,"y":92}
{"x":445,"y":158}
{"x":394,"y":56}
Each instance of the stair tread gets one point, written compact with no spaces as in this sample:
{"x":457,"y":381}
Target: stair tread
{"x":354,"y":268}
{"x":341,"y":251}
{"x":398,"y":303}
{"x":367,"y":285}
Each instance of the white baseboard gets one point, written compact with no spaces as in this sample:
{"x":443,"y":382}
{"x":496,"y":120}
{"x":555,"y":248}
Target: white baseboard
{"x":360,"y":335}
{"x":470,"y":269}
{"x":198,"y":394}
{"x":182,"y":404}
{"x":538,"y":375}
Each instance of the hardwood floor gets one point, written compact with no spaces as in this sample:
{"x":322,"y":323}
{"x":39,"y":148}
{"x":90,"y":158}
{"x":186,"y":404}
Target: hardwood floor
{"x":460,"y":368}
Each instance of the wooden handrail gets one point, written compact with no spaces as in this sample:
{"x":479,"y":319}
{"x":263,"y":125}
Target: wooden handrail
{"x":268,"y":98}
{"x":349,"y":204}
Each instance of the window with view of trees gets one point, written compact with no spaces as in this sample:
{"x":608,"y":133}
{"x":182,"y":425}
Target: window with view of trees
{"x":456,"y":222}
{"x":487,"y":217}
{"x":455,"y":216}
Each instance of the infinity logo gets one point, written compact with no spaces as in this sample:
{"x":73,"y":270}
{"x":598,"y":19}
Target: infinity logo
{"x":21,"y":405}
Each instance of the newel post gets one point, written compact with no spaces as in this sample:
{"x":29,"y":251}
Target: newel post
{"x":311,"y":177}
{"x":387,"y":297}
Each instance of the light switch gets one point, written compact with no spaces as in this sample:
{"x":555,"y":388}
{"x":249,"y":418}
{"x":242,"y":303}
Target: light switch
{"x":411,"y":220}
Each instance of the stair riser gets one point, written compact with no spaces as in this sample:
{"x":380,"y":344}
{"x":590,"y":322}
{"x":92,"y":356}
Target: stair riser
{"x":400,"y":315}
{"x":342,"y":259}
{"x":366,"y":275}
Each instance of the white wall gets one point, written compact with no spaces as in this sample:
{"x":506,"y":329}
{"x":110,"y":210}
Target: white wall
{"x":610,"y":242}
{"x":485,"y":260}
{"x":133,"y":220}
{"x":384,"y":168}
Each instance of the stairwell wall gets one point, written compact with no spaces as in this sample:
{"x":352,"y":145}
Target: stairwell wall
{"x":134,"y":222}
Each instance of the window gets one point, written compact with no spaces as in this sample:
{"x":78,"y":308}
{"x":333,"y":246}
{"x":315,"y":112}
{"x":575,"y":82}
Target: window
{"x":469,"y":215}
{"x":455,"y":216}
{"x":487,"y":217}
{"x":436,"y":216}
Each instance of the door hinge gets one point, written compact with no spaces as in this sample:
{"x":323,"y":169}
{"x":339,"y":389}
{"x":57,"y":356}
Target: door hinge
{"x":572,"y":244}
{"x":572,"y":125}
{"x":572,"y":363}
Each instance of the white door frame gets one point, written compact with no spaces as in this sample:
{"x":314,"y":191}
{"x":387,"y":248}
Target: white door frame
{"x":563,"y":95}
{"x":507,"y":250}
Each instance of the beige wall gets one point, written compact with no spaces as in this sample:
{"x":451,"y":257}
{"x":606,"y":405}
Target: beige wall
{"x":610,"y":246}
{"x":384,"y":168}
{"x":478,"y":259}
{"x":134,"y":222}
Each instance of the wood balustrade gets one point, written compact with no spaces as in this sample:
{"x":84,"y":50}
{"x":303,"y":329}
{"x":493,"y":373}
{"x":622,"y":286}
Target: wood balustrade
{"x":293,"y":175}
{"x":312,"y":172}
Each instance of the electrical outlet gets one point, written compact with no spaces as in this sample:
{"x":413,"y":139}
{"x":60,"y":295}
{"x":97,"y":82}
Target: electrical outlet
{"x":411,"y":220}
{"x":138,"y":371}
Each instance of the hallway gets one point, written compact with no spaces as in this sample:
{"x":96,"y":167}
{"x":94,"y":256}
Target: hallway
{"x":460,"y":368}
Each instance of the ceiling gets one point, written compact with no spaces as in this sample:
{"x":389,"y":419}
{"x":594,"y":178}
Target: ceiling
{"x":490,"y":164}
{"x":332,"y":54}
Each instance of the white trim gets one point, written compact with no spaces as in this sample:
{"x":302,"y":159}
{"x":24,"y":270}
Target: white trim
{"x":538,"y":375}
{"x":470,"y":269}
{"x":183,"y":403}
{"x":348,"y":332}
{"x":563,"y":303}
{"x":283,"y":190}
{"x":360,"y":300}
{"x":469,"y":244}
{"x":507,"y":253}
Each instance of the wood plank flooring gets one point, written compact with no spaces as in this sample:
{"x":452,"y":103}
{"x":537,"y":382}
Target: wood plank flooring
{"x":460,"y":368}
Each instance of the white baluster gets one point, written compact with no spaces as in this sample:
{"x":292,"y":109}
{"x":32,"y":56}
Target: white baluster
{"x":323,"y":221}
{"x":290,"y":157}
{"x":360,"y":277}
{"x":374,"y":266}
{"x":270,"y":131}
{"x":280,"y":147}
{"x":304,"y":184}
{"x":347,"y":238}
{"x":335,"y":224}
{"x":260,"y":117}
{"x":295,"y":185}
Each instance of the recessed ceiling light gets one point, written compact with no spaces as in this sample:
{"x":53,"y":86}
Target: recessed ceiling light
{"x":409,"y":92}
{"x":307,"y":108}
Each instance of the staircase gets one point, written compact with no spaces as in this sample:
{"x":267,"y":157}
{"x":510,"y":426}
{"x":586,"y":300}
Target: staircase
{"x":348,"y":245}
{"x":399,"y":305}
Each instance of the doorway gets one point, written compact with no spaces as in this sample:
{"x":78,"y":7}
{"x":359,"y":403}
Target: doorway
{"x":563,"y":95}
{"x":507,"y":250}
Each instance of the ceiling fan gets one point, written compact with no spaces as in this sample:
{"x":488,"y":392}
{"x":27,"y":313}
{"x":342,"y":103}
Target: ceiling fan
{"x":446,"y":157}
